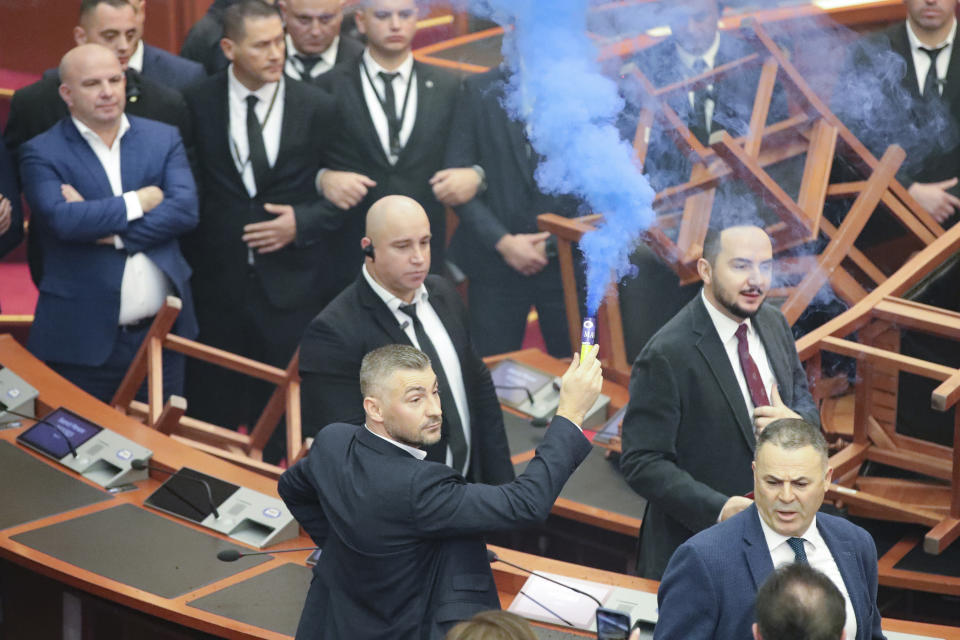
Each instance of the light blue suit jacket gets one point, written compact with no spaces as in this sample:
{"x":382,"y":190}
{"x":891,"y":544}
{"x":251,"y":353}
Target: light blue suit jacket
{"x":712,"y":579}
{"x":79,"y":305}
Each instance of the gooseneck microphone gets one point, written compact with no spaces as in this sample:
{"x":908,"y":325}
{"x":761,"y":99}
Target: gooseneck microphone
{"x":53,"y":426}
{"x":493,"y":557}
{"x":140,"y":464}
{"x":232,"y":555}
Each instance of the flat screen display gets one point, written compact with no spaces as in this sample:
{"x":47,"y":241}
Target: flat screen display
{"x":51,"y":438}
{"x":184,"y":495}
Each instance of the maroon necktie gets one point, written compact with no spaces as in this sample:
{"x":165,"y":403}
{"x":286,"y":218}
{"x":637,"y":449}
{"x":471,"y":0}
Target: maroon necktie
{"x":757,"y":392}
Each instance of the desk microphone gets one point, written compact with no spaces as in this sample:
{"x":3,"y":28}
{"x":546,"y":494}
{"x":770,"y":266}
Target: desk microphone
{"x":232,"y":555}
{"x":140,"y":464}
{"x":55,"y":427}
{"x":493,"y":557}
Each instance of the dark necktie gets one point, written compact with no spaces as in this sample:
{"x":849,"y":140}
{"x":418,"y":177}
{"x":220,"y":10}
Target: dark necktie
{"x":390,"y":107}
{"x":931,"y":90}
{"x":799,"y":554}
{"x":452,"y":428}
{"x":699,"y":125}
{"x":258,"y":152}
{"x":308,"y":63}
{"x":758,"y":394}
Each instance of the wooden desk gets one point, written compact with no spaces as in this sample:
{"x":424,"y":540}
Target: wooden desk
{"x":565,"y":508}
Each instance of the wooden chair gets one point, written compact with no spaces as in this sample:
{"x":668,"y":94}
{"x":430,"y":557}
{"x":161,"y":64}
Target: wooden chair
{"x":810,"y":129}
{"x":869,"y":333}
{"x":170,"y":418}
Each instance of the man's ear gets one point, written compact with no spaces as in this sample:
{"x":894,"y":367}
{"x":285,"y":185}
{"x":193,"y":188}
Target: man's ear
{"x":226,"y":45}
{"x":704,"y":270}
{"x":64,"y":91}
{"x":371,"y":406}
{"x":79,"y":35}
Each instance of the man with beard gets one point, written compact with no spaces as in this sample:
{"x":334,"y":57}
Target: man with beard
{"x":701,"y":390}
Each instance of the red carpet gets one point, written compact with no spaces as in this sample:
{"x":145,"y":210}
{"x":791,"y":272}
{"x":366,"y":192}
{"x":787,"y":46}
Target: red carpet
{"x":18,"y":296}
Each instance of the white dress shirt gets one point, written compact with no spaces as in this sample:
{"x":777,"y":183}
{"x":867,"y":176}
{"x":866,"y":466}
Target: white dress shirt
{"x":710,"y":58}
{"x":294,"y":68}
{"x":921,"y":61}
{"x":419,"y":454}
{"x":136,"y":58}
{"x":818,"y":556}
{"x":400,"y":83}
{"x":727,"y":329}
{"x":441,"y":342}
{"x":144,"y":286}
{"x":271,"y":124}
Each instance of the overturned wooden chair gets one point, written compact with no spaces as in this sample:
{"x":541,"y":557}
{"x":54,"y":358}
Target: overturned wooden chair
{"x":684,"y":210}
{"x":170,"y":418}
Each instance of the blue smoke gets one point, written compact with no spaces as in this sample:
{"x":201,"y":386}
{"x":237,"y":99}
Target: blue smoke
{"x":571,"y":108}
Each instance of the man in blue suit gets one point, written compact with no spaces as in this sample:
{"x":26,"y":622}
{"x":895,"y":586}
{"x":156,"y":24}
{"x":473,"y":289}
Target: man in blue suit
{"x":110,"y":195}
{"x":709,"y":586}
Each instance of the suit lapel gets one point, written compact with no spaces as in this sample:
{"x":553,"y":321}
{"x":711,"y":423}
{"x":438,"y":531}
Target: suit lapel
{"x":130,"y":160}
{"x":755,"y":549}
{"x":776,"y":358}
{"x":951,"y":90}
{"x":442,"y":305}
{"x":718,"y":362}
{"x":380,"y":313}
{"x":291,"y":126}
{"x":900,"y":44}
{"x":222,"y":143}
{"x":426,"y":108}
{"x":88,"y":160}
{"x":845,"y":556}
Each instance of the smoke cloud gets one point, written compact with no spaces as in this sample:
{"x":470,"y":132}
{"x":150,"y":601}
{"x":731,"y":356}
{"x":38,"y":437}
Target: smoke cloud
{"x":571,"y":103}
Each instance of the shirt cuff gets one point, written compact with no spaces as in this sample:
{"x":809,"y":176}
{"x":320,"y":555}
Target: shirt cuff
{"x":118,"y":243}
{"x":317,"y":183}
{"x":134,"y":210}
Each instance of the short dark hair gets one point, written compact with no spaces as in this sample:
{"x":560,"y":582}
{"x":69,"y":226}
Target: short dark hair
{"x":235,"y":17}
{"x":86,"y":6}
{"x":793,"y":433}
{"x":493,"y":625}
{"x":797,"y":602}
{"x":380,"y":363}
{"x":711,"y":242}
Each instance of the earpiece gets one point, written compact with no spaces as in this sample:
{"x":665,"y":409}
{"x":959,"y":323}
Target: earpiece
{"x":368,"y":251}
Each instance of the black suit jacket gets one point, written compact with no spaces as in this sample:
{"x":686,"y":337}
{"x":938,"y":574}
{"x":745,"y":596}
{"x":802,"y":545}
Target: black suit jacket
{"x":169,"y":70}
{"x":402,"y":557}
{"x":484,"y":134}
{"x":355,"y":146}
{"x":687,"y":437}
{"x":878,"y":98}
{"x":297,"y":273}
{"x":357,"y":322}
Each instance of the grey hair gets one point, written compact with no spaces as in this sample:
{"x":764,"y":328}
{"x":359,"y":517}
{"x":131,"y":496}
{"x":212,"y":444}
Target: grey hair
{"x":380,"y":364}
{"x":793,"y":433}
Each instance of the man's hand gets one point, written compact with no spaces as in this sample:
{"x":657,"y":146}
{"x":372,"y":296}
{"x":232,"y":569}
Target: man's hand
{"x":70,"y":194}
{"x":934,"y":198}
{"x":454,"y":187}
{"x":150,"y":198}
{"x":6,"y":214}
{"x":733,"y":506}
{"x":345,"y":189}
{"x":524,"y":252}
{"x":273,"y":235}
{"x":580,"y":387}
{"x":762,"y":416}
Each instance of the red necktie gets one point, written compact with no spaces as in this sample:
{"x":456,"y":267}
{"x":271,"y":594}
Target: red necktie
{"x":758,"y":394}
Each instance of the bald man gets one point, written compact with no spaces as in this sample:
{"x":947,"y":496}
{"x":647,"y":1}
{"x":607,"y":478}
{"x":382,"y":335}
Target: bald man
{"x":393,"y":300}
{"x":109,"y":243}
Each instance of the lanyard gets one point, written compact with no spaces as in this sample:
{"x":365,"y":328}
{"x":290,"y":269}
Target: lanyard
{"x":236,"y":149}
{"x":383,"y":100}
